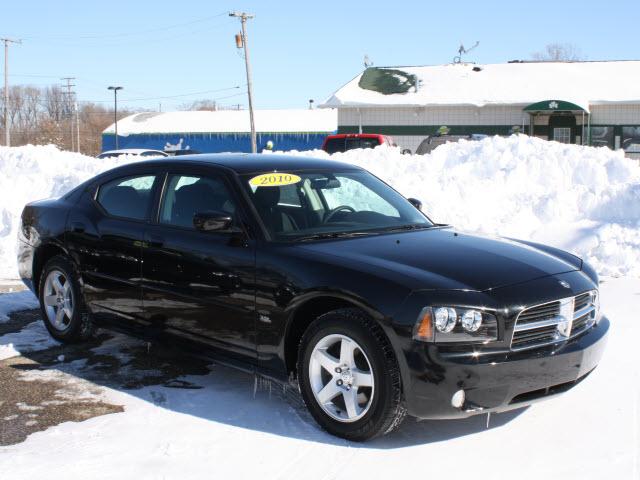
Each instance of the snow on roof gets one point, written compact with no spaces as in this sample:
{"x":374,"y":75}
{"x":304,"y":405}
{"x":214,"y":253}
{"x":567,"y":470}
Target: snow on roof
{"x":229,"y":121}
{"x":522,"y":83}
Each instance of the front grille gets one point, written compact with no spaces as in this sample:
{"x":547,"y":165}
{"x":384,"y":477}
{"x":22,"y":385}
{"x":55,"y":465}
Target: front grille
{"x":583,"y":300}
{"x":554,"y":322}
{"x":532,"y":338}
{"x":541,"y":312}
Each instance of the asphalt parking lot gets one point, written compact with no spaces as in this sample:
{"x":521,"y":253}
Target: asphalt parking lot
{"x":63,"y":382}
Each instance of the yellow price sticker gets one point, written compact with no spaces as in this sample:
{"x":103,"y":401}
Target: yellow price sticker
{"x":274,"y":180}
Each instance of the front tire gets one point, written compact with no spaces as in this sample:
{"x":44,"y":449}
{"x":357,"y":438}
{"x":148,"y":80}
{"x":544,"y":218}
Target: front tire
{"x":61,"y":303}
{"x":349,"y":376}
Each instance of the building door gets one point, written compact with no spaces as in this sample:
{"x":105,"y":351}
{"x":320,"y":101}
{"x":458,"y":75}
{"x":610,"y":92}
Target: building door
{"x":562,"y":128}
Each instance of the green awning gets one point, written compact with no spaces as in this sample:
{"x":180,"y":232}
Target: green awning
{"x":555,"y":106}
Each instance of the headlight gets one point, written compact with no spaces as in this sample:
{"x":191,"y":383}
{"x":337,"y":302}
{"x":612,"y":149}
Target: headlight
{"x":455,"y":324}
{"x":446,"y":319}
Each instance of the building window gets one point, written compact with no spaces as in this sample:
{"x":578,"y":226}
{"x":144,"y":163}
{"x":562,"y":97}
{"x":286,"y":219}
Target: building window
{"x":562,"y":134}
{"x":602,"y":137}
{"x":631,"y":139}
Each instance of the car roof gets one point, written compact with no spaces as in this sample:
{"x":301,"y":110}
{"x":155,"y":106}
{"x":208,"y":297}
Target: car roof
{"x":124,"y":151}
{"x":242,"y":163}
{"x":356,"y":135}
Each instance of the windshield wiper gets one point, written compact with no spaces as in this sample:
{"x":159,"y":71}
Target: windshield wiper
{"x":328,"y":235}
{"x":399,"y":228}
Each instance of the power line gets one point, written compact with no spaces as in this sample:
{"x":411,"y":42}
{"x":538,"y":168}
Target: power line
{"x":181,"y":95}
{"x":121,"y":34}
{"x":163,"y":97}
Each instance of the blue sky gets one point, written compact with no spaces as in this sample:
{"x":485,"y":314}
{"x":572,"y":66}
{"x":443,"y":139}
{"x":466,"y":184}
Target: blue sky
{"x":299,"y":50}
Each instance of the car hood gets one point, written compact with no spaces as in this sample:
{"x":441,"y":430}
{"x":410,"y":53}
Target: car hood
{"x":442,"y":258}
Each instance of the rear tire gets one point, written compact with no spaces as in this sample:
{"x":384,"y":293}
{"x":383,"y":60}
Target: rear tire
{"x":349,"y":376}
{"x":61,"y":302}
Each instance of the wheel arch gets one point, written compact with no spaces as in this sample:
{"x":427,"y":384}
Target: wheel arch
{"x":42,"y":255}
{"x":310,"y":307}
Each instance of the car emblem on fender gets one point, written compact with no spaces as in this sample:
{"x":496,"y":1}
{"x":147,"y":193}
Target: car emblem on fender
{"x":564,"y":284}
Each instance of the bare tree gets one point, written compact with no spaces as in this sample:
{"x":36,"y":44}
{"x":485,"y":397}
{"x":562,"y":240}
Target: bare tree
{"x":208,"y":105}
{"x":200,"y":105}
{"x":559,"y":52}
{"x":43,"y":116}
{"x":54,"y":102}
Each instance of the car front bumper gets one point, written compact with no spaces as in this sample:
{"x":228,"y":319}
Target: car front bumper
{"x":495,"y":382}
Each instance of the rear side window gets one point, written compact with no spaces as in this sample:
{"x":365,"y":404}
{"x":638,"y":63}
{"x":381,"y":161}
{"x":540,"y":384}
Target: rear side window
{"x":127,"y":197}
{"x":334,"y":145}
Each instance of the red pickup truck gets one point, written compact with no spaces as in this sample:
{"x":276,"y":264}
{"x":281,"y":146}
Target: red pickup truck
{"x":342,"y":142}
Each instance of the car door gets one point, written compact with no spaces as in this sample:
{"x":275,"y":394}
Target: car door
{"x":105,"y":235}
{"x":200,"y":284}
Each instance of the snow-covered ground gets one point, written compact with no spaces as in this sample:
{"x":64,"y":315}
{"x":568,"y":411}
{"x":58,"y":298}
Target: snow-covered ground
{"x":223,"y":430}
{"x":583,"y":199}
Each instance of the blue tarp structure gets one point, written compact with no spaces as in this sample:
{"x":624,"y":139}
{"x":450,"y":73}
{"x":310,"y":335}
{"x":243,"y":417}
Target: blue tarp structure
{"x":222,"y":130}
{"x":214,"y":142}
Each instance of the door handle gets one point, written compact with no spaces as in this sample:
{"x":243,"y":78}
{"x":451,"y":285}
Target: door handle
{"x":155,"y":241}
{"x":77,"y":227}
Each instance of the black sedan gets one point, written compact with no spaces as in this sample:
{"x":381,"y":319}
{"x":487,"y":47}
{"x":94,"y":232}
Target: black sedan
{"x":317,"y":274}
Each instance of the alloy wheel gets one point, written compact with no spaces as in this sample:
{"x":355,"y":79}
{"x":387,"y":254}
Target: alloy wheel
{"x":341,"y":378}
{"x":58,"y":300}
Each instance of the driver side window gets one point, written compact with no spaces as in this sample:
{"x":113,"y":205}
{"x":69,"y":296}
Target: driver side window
{"x":358,"y":196}
{"x":186,"y":195}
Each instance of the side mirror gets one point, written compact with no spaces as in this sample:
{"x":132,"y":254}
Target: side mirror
{"x":415,"y":202}
{"x":212,"y":221}
{"x":405,"y":151}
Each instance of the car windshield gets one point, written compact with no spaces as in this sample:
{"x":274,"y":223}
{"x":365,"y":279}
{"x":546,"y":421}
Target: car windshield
{"x":298,"y":206}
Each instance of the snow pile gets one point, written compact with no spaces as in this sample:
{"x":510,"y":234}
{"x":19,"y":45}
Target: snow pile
{"x":582,"y":199}
{"x":35,"y":172}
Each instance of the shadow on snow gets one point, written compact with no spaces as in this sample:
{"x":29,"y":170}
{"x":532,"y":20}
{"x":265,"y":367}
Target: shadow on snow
{"x":175,"y":381}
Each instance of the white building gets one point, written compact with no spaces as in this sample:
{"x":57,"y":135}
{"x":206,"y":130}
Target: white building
{"x":595,"y":103}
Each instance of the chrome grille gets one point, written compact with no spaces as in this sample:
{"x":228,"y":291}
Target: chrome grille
{"x":541,"y":312}
{"x":583,"y":300}
{"x":554,"y":322}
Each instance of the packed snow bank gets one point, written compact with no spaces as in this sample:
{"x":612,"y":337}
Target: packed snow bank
{"x":34,"y":172}
{"x":585,"y":200}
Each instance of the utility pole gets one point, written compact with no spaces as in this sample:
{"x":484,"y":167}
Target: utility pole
{"x":70,"y":108}
{"x":7,"y":127}
{"x":242,"y":43}
{"x":115,"y":110}
{"x":77,"y":126}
